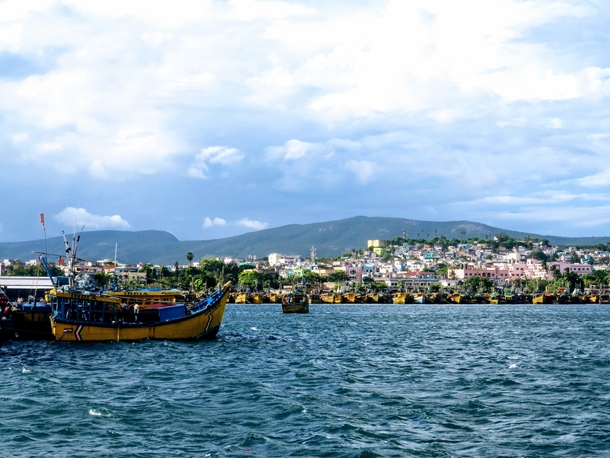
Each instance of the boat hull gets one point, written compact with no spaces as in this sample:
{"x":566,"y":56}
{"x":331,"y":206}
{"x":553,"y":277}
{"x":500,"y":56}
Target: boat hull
{"x":295,"y":308}
{"x":31,"y":324}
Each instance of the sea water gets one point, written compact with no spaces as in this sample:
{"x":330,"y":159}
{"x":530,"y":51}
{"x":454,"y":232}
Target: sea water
{"x":342,"y":381}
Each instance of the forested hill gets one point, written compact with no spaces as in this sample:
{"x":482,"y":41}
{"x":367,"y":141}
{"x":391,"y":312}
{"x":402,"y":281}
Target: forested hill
{"x":330,"y":238}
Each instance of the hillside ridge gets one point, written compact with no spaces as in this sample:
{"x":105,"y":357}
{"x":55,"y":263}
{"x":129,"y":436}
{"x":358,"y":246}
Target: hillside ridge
{"x":330,"y":238}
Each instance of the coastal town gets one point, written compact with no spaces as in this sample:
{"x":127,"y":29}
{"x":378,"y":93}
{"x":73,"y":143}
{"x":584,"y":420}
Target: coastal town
{"x":485,"y":267}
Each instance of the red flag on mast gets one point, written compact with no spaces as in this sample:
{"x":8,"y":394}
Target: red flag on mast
{"x":42,"y":220}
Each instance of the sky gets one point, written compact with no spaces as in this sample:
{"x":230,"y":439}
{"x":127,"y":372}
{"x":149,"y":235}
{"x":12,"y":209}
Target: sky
{"x":213,"y":118}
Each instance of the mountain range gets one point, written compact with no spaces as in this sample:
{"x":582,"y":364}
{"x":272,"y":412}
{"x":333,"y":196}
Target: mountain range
{"x":330,"y":239}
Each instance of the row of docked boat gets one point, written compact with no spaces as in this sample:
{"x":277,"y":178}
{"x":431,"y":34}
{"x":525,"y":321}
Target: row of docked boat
{"x":314,"y":297}
{"x":562,"y":296}
{"x":426,"y":297}
{"x":486,"y":298}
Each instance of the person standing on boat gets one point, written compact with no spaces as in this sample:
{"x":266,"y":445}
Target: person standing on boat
{"x":136,"y":309}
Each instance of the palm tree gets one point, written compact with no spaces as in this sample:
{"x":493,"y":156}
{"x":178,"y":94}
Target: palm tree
{"x":189,"y":257}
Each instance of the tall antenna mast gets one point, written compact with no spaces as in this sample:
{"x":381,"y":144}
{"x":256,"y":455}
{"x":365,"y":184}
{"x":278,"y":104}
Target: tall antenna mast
{"x":46,"y":249}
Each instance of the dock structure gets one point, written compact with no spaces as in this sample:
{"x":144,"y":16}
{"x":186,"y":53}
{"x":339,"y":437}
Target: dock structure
{"x":25,"y":286}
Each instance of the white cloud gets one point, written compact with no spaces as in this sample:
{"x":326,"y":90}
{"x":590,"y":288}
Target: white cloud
{"x":598,"y":136}
{"x":176,"y":13}
{"x":575,"y":216}
{"x":20,"y":137}
{"x":430,"y":55}
{"x":600,"y":179}
{"x":364,"y":170}
{"x":213,"y":155}
{"x":296,"y":149}
{"x":252,"y":224}
{"x":540,"y":198}
{"x":81,"y":217}
{"x":247,"y":10}
{"x":209,"y":222}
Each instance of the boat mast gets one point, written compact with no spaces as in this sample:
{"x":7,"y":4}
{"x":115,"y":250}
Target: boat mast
{"x":71,"y":253}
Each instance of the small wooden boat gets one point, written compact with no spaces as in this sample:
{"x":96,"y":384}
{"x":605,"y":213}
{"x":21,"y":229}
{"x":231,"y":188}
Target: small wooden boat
{"x":295,"y":302}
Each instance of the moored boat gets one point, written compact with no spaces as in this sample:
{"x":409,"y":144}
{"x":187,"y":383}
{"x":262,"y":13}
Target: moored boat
{"x":256,"y":298}
{"x":327,"y":298}
{"x":272,"y":298}
{"x":419,"y":298}
{"x":543,"y":298}
{"x":399,"y":298}
{"x":87,"y":316}
{"x":31,"y":322}
{"x":241,"y":298}
{"x":372,"y":298}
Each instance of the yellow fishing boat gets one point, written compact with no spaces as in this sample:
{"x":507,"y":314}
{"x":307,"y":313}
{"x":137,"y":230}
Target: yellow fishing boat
{"x":85,"y":316}
{"x":543,"y":298}
{"x":399,"y":298}
{"x":256,"y":298}
{"x":327,"y":298}
{"x":273,"y":298}
{"x":241,"y":298}
{"x":372,"y":298}
{"x":352,"y":298}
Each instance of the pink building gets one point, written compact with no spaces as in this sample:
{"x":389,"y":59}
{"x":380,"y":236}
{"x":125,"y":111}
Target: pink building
{"x":580,"y":269}
{"x":499,"y":272}
{"x":530,"y":269}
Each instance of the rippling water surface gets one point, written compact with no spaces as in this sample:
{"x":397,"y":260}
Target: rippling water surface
{"x":345,"y":381}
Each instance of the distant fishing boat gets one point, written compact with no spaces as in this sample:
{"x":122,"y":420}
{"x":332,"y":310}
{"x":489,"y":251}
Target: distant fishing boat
{"x":241,"y":298}
{"x":328,"y":298}
{"x":419,"y":298}
{"x":399,"y":298}
{"x":295,"y":302}
{"x":257,"y":298}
